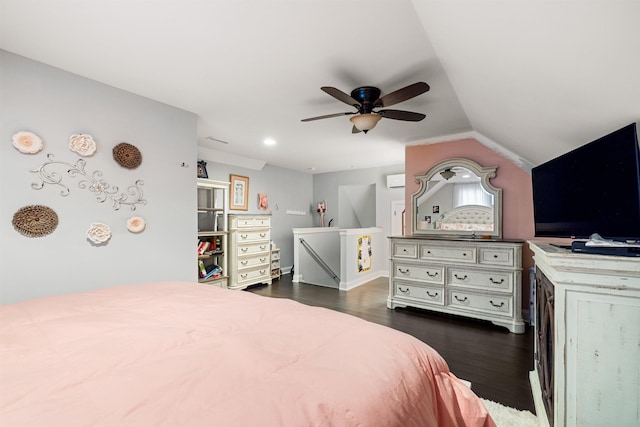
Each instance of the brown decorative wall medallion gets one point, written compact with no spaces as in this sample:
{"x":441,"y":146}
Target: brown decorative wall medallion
{"x":127,"y":155}
{"x":35,"y":221}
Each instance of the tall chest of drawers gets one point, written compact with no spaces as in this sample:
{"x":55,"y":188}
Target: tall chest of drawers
{"x":481,"y":279}
{"x":249,"y":250}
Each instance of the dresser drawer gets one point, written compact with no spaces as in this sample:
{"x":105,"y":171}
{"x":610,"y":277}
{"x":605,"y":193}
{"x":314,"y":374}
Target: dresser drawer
{"x":478,"y":279}
{"x":253,"y":236}
{"x":250,"y":222}
{"x":251,"y":262}
{"x":262,"y":222}
{"x":448,"y":254}
{"x":430,"y":295}
{"x":426,"y":273}
{"x":404,"y":250}
{"x":255,"y":248}
{"x":254,"y":275}
{"x":491,"y":304}
{"x":497,"y":256}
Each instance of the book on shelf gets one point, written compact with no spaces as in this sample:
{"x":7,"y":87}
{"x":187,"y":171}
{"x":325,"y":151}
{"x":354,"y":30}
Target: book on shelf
{"x":203,"y":246}
{"x":213,"y":271}
{"x":201,"y":268}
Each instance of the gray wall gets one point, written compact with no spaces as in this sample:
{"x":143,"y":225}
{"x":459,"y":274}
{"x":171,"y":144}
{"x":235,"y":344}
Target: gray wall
{"x":287,"y":190}
{"x":326,"y":186}
{"x":55,"y":104}
{"x":356,"y":206}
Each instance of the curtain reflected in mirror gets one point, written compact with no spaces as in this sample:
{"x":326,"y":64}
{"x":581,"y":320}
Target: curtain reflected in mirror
{"x":471,"y":194}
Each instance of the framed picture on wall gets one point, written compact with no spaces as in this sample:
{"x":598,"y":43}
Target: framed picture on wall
{"x":239,"y":194}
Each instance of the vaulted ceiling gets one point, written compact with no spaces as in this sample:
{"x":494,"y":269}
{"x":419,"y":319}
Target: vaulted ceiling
{"x":533,"y":79}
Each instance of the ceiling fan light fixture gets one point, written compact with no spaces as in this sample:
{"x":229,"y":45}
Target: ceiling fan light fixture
{"x":365,"y":122}
{"x":447,"y":174}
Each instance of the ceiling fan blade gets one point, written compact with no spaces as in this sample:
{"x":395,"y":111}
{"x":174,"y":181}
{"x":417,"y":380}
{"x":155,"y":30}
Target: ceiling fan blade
{"x":341,"y":96}
{"x":355,"y":130}
{"x":403,"y":94}
{"x":328,"y":116}
{"x":408,"y":116}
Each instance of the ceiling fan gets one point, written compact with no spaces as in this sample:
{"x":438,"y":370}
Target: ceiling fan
{"x":367,"y":98}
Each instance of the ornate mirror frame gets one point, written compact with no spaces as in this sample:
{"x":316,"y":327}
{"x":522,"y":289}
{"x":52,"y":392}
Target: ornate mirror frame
{"x":484,"y":173}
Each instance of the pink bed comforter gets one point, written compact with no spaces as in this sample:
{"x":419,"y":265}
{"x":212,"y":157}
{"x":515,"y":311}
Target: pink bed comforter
{"x":182,"y":354}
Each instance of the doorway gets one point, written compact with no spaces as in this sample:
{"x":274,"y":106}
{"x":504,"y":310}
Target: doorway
{"x":397,"y":218}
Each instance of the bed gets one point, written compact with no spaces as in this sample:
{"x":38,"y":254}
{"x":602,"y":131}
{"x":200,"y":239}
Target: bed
{"x":467,"y":218}
{"x":186,"y":354}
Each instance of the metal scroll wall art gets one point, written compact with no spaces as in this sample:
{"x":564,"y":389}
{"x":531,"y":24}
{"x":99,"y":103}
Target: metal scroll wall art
{"x":94,"y":182}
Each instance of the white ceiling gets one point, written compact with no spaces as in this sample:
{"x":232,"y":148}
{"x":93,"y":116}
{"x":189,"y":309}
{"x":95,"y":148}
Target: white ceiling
{"x":536,"y":78}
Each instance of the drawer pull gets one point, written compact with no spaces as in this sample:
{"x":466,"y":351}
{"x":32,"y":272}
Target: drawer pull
{"x":407,"y":271}
{"x":496,"y":282}
{"x":432,"y":296}
{"x":244,"y":276}
{"x":262,"y":271}
{"x":460,"y":278}
{"x":404,"y":250}
{"x":495,"y":256}
{"x":429,"y":252}
{"x":244,"y":236}
{"x":431,"y":275}
{"x":464,"y":254}
{"x":460,"y":300}
{"x":496,"y":305}
{"x":262,"y":234}
{"x":404,"y":291}
{"x":263,"y":247}
{"x":244,"y":249}
{"x":264,"y":259}
{"x":244,"y":262}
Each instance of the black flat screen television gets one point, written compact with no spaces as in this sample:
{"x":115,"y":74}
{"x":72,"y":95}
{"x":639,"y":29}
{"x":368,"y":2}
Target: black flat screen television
{"x":592,"y":189}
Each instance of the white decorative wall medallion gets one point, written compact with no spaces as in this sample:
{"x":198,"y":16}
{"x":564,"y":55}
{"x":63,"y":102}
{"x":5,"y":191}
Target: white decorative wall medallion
{"x":82,"y":144}
{"x":136,"y":224}
{"x":27,"y":142}
{"x":99,"y":233}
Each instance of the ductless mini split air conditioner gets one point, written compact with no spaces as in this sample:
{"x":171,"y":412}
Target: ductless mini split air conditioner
{"x":395,"y":181}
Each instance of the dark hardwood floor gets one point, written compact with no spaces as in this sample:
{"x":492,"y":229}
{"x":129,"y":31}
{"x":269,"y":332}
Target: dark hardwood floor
{"x":496,"y":361}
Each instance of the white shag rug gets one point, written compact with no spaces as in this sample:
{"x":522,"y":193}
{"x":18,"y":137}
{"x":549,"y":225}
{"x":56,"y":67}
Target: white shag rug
{"x":505,"y":416}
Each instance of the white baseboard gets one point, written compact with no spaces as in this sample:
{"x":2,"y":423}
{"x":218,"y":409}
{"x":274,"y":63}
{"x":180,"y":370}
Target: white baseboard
{"x":346,"y":286}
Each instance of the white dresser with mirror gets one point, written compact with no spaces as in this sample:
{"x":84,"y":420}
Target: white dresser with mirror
{"x":455,"y":261}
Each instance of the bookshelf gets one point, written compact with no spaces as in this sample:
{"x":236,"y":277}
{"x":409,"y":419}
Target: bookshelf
{"x":213,"y":210}
{"x":275,"y":263}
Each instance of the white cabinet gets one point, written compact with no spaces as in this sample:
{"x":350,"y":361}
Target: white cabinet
{"x":249,"y":250}
{"x":587,"y":352}
{"x":473,"y":278}
{"x":212,"y":231}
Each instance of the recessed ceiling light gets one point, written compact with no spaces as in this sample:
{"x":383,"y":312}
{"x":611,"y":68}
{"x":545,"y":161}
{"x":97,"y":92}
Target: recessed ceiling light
{"x":269,"y":141}
{"x":311,"y":168}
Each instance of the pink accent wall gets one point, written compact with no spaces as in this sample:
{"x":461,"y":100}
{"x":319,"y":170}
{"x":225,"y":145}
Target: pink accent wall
{"x":517,"y":199}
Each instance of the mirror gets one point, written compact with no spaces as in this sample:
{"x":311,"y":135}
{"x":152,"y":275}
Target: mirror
{"x":456,"y":199}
